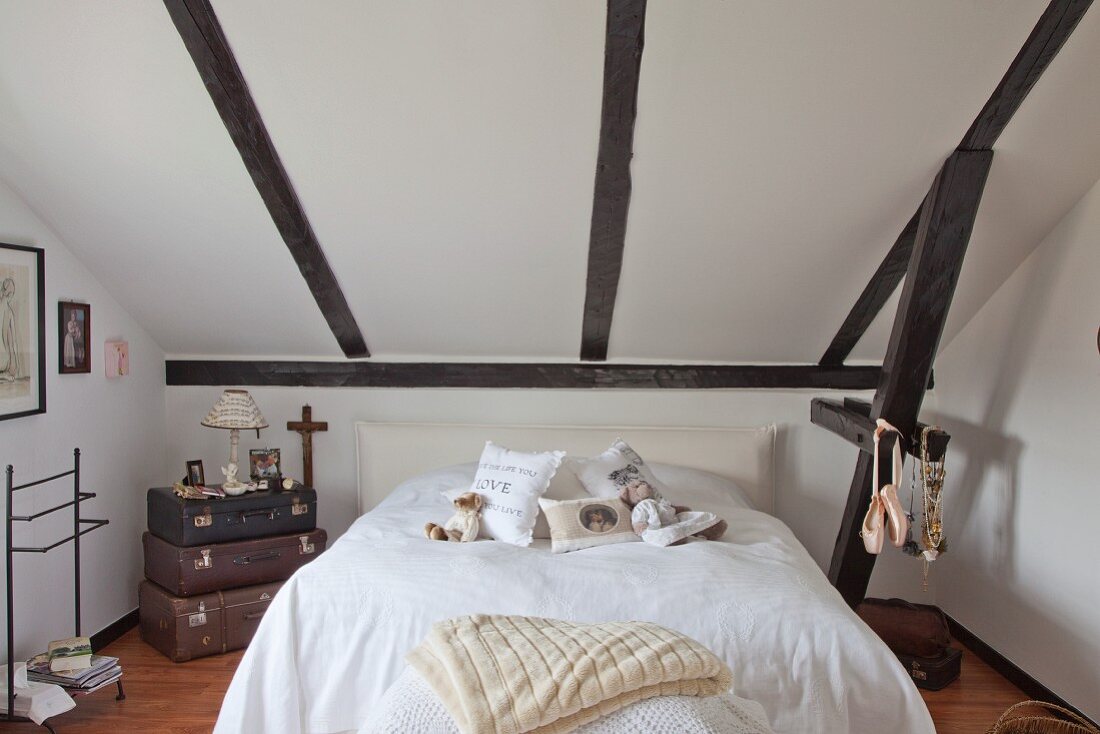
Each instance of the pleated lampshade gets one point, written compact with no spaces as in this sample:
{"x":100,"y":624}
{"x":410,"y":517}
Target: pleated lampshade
{"x":235,"y":409}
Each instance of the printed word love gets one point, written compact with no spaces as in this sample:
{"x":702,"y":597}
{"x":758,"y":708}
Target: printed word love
{"x":494,"y":485}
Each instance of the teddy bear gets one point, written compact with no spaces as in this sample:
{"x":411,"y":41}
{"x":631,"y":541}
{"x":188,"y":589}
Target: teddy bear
{"x":464,"y":525}
{"x":660,"y":522}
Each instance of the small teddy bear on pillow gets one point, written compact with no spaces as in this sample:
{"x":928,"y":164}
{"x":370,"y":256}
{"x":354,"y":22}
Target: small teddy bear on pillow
{"x":660,"y":522}
{"x":464,"y":525}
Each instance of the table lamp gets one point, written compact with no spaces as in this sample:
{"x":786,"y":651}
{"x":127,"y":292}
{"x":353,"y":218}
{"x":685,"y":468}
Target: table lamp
{"x":234,"y":410}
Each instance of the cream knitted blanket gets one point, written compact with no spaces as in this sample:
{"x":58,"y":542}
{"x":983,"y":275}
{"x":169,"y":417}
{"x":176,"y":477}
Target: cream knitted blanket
{"x":508,"y":675}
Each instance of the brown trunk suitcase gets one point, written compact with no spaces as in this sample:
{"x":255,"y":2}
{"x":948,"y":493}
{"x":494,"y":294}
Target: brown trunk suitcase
{"x":217,"y":520}
{"x":184,"y":628}
{"x":201,"y":569}
{"x":906,"y":628}
{"x":936,"y":672}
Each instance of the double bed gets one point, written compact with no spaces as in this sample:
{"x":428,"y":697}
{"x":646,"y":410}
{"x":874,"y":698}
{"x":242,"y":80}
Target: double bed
{"x":335,"y":637}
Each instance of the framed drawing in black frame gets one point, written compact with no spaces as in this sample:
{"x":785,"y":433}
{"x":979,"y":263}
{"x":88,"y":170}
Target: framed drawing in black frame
{"x":74,"y":338}
{"x":22,"y":331}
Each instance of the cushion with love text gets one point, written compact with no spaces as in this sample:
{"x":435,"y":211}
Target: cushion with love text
{"x":510,"y":484}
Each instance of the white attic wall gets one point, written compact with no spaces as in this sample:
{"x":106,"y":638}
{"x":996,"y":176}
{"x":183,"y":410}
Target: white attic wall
{"x":445,"y":154}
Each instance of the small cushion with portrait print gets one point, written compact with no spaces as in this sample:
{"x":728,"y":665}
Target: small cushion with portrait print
{"x":588,"y":522}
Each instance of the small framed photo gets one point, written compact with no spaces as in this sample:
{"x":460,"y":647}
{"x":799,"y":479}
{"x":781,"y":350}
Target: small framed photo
{"x":116,"y":359}
{"x":74,"y":338}
{"x":264,"y":464}
{"x":195,"y":475}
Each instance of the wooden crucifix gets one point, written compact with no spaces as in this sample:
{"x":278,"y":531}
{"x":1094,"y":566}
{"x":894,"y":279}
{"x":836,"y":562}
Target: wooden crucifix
{"x":307,"y":427}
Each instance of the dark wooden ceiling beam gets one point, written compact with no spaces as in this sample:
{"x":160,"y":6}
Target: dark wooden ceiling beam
{"x":851,"y":421}
{"x":202,"y":34}
{"x":946,"y":222}
{"x":625,"y":39}
{"x":1053,"y":29}
{"x":517,"y":375}
{"x":1042,"y":45}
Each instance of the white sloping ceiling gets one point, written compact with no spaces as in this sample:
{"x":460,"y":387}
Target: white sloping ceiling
{"x":1046,"y":160}
{"x":108,"y":133}
{"x":445,"y":152}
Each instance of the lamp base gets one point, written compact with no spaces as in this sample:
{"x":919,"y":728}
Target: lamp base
{"x":233,"y":488}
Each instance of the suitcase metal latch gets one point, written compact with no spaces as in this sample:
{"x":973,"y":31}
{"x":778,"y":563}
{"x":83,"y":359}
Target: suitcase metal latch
{"x":196,"y":620}
{"x":205,"y":561}
{"x":917,"y":673}
{"x":306,"y":548}
{"x":205,"y":520}
{"x":299,"y":508}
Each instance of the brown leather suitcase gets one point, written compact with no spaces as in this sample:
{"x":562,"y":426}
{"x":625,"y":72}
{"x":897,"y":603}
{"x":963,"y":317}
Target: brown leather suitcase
{"x":936,"y":672}
{"x":218,"y":520}
{"x":184,"y":628}
{"x":204,"y":568}
{"x":907,"y":629}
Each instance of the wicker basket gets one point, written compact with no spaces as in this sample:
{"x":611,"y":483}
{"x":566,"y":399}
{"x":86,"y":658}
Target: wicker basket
{"x":1037,"y":717}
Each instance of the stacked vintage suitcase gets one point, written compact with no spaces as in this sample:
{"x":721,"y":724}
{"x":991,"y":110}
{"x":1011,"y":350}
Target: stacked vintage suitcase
{"x":213,"y":565}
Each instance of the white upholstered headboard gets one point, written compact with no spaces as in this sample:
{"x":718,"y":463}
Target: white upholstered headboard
{"x":390,"y":453}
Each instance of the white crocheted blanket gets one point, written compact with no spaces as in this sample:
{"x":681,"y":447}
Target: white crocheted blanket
{"x":410,"y":705}
{"x":509,"y":675}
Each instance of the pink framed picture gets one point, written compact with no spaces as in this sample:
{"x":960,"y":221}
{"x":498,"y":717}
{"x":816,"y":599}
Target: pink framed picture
{"x":116,"y":359}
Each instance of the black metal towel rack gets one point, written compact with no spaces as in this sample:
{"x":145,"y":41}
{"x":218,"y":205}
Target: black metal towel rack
{"x":81,"y":526}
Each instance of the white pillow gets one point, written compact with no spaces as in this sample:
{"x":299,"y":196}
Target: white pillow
{"x":605,"y":475}
{"x":700,"y":489}
{"x":510,"y":482}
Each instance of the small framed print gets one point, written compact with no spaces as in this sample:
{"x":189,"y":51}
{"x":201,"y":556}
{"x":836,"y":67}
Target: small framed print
{"x":22,"y":331}
{"x":74,"y":338}
{"x":196,"y":477}
{"x":264,"y":464}
{"x":116,"y":359}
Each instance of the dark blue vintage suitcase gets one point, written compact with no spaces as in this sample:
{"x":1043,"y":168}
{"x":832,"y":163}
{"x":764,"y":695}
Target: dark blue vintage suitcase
{"x":217,"y":520}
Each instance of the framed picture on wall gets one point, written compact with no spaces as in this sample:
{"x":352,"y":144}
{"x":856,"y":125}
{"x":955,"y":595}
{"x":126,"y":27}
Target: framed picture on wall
{"x":22,"y":331}
{"x":74,"y":338}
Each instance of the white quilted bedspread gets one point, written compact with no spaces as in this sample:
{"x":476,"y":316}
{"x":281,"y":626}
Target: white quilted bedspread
{"x":336,"y":635}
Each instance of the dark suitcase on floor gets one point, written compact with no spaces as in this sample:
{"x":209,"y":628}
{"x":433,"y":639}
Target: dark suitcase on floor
{"x":215,"y":520}
{"x":907,"y":628}
{"x":197,"y":626}
{"x":201,"y":569}
{"x":934,"y":673}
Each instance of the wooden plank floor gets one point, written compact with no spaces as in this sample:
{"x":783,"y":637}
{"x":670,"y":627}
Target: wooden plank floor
{"x":184,"y":699}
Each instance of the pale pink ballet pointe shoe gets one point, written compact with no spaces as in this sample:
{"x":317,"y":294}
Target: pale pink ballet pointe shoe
{"x":873,"y":532}
{"x":897,"y":524}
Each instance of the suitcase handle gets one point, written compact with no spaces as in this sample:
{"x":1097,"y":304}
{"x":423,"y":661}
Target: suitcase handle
{"x":245,"y":560}
{"x":243,"y":516}
{"x":253,"y":615}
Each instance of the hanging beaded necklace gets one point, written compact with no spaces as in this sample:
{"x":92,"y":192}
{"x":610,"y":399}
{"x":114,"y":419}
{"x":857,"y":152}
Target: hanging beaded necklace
{"x":931,"y":489}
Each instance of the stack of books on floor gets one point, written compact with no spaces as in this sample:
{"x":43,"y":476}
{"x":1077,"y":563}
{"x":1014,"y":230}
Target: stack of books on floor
{"x":100,"y":671}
